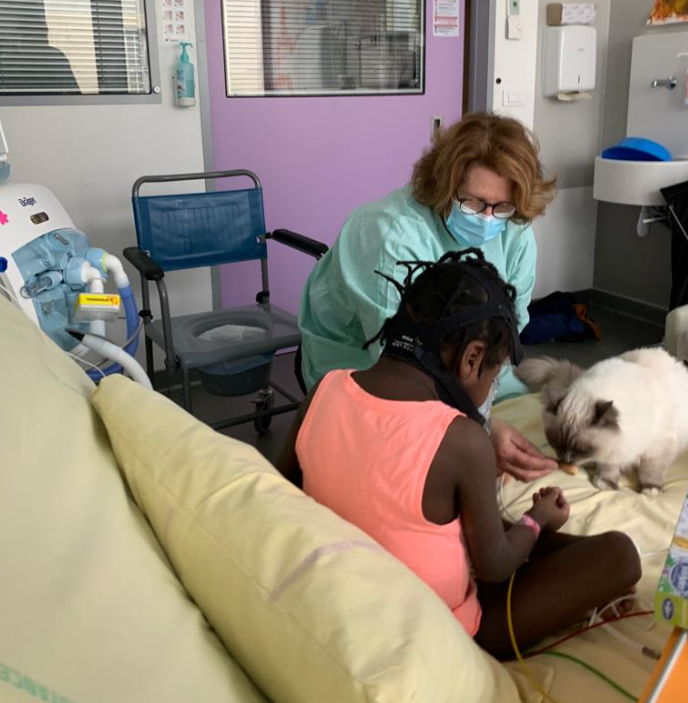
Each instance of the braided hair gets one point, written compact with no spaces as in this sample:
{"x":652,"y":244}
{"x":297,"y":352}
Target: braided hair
{"x":443,"y":289}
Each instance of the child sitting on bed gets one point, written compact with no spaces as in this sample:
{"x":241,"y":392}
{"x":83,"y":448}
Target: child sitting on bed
{"x":400,"y":450}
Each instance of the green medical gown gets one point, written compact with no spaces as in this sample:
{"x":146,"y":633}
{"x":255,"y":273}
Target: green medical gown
{"x":345,"y":303}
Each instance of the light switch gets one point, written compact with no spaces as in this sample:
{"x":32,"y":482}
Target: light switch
{"x":513,"y":98}
{"x":436,"y":125}
{"x":514,"y":28}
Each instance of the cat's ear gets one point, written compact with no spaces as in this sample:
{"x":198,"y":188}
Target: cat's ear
{"x":605,"y":415}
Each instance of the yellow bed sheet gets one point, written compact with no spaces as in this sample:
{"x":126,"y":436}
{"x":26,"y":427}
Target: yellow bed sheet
{"x":648,"y":521}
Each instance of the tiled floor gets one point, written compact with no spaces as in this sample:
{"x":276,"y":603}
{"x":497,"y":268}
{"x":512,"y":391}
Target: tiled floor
{"x":619,"y":333}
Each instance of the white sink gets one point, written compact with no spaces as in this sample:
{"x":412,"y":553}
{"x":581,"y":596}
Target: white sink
{"x":636,"y":182}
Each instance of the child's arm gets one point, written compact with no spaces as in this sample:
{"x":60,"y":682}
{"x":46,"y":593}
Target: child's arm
{"x":287,"y":462}
{"x":495,"y":553}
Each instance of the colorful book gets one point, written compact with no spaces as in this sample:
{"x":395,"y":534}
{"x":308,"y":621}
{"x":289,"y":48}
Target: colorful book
{"x":669,"y":681}
{"x":671,"y":598}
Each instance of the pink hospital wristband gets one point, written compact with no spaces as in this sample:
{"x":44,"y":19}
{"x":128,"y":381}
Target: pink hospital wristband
{"x":528,"y":521}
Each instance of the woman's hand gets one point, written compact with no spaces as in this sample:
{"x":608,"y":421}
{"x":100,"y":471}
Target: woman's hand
{"x":516,"y":455}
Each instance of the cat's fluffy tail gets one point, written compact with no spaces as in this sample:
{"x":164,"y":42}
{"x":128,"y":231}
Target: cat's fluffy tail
{"x":538,"y":372}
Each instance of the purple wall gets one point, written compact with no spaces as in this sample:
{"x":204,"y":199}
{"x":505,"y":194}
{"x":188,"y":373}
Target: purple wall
{"x":319,"y":158}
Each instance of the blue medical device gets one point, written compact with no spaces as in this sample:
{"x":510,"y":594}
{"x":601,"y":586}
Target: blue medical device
{"x":50,"y":270}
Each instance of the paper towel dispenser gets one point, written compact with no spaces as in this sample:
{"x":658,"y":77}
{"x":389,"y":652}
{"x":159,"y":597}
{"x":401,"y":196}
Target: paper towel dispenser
{"x":569,"y":60}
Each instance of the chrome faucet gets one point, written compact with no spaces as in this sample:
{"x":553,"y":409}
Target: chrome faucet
{"x":669,"y":82}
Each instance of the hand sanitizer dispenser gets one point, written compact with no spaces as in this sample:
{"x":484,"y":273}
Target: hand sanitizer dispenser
{"x":569,"y":61}
{"x":184,"y":81}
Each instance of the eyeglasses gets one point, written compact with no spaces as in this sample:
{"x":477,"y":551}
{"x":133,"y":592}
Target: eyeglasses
{"x":473,"y":206}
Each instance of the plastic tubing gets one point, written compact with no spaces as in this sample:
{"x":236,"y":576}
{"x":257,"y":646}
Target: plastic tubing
{"x":119,"y":356}
{"x":95,"y":284}
{"x":132,"y":318}
{"x":113,"y":265}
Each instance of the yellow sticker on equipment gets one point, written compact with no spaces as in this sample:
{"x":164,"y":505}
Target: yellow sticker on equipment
{"x":98,"y":299}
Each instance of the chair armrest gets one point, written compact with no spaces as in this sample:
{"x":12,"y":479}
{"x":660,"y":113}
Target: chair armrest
{"x":143,"y":263}
{"x":296,"y":241}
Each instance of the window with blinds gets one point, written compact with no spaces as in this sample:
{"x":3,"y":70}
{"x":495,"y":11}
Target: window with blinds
{"x":323,"y":47}
{"x":73,"y":47}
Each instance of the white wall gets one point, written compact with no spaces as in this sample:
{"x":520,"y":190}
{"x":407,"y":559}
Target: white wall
{"x":571,"y":132}
{"x":566,"y":243}
{"x":90,"y":155}
{"x":514,"y":64}
{"x":570,"y":135}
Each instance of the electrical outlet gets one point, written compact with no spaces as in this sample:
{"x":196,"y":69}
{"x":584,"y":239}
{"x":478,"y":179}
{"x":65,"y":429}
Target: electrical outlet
{"x":436,"y":125}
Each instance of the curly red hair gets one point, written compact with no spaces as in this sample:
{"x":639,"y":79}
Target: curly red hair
{"x":501,"y":144}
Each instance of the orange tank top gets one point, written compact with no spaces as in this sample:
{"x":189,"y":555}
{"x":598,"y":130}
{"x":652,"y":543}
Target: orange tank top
{"x":367,"y":459}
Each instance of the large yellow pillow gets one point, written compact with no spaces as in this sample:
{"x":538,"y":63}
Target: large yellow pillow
{"x":90,"y":609}
{"x":312,"y":608}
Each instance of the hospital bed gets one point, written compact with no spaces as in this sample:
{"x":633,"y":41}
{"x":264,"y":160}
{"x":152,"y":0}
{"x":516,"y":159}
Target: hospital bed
{"x":147,"y":558}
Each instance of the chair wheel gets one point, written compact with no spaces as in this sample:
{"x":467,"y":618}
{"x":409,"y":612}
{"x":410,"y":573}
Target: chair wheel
{"x":265,"y":401}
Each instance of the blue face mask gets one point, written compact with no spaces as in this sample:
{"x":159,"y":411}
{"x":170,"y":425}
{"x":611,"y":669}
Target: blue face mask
{"x":473,"y":230}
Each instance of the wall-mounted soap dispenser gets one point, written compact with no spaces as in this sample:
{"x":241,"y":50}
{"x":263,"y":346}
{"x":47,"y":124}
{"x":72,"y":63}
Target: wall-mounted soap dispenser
{"x":569,"y":61}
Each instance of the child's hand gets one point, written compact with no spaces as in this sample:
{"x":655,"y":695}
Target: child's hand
{"x":550,"y":508}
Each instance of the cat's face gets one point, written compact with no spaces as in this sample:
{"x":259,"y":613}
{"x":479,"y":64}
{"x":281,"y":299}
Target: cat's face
{"x":580,"y":429}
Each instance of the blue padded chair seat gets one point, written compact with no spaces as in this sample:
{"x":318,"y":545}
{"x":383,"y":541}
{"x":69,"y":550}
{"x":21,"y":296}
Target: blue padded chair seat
{"x":281,"y":327}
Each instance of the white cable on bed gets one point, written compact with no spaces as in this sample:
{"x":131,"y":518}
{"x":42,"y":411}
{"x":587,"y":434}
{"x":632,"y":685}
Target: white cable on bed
{"x":630,"y":642}
{"x":84,"y":361}
{"x":652,"y":553}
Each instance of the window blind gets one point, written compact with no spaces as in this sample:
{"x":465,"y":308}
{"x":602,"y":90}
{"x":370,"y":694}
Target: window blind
{"x":62,"y":47}
{"x":323,"y":47}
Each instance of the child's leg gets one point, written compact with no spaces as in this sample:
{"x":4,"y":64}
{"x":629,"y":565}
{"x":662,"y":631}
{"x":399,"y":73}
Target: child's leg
{"x":553,"y":541}
{"x":556,"y":589}
{"x":549,"y":542}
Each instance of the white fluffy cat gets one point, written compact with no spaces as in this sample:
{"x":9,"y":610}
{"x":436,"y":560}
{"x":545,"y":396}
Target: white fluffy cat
{"x":624,"y":412}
